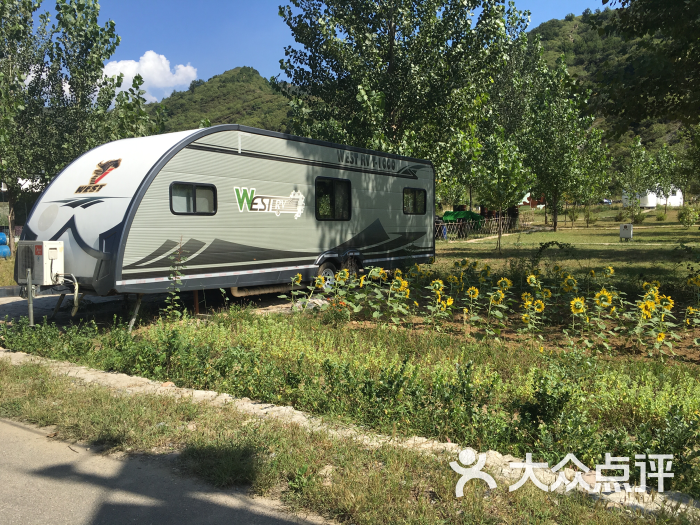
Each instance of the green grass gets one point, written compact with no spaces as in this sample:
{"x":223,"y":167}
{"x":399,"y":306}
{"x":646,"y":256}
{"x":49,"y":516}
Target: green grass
{"x":510,"y":398}
{"x":7,"y":272}
{"x":593,"y":248}
{"x":364,"y":486}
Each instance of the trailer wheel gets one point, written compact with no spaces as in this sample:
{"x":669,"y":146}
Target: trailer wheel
{"x":327,"y":271}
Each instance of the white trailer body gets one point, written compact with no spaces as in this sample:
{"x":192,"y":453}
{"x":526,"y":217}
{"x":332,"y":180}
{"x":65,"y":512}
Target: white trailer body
{"x":241,"y":207}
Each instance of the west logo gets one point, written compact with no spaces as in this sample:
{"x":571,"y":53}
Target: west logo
{"x":104,"y":168}
{"x":248,"y":201}
{"x":364,"y":160}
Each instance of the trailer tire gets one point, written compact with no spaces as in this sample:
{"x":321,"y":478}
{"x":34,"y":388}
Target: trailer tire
{"x":327,"y":270}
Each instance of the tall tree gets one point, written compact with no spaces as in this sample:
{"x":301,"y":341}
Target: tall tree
{"x":637,"y":178}
{"x":396,"y":75}
{"x":666,"y":173}
{"x":64,"y":98}
{"x":661,"y":75}
{"x":504,"y":179}
{"x":558,"y":139}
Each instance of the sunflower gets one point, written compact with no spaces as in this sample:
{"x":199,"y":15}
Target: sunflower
{"x":694,"y":281}
{"x":362,"y":281}
{"x":578,"y":305}
{"x":416,"y":303}
{"x":527,"y":297}
{"x":532,"y":280}
{"x":452,"y":279}
{"x":660,"y":337}
{"x":466,"y":311}
{"x":603,"y":298}
{"x":473,"y":292}
{"x":556,"y":268}
{"x":504,"y":283}
{"x":608,"y":271}
{"x":497,"y":297}
{"x":450,"y":301}
{"x":592,"y":274}
{"x":539,"y":306}
{"x":690,"y":310}
{"x":666,"y":302}
{"x":547,"y":293}
{"x":320,"y":281}
{"x":657,"y":284}
{"x":407,"y":293}
{"x":297,"y":279}
{"x":443,"y":305}
{"x":342,"y":275}
{"x":526,"y":318}
{"x":569,"y":283}
{"x":646,"y":307}
{"x":437,"y":285}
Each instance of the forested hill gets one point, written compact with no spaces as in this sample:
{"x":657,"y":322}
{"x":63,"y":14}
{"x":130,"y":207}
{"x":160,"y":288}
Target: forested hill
{"x":586,"y":53}
{"x":237,"y":96}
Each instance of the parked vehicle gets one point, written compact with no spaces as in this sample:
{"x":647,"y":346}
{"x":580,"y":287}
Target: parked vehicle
{"x":232,"y":206}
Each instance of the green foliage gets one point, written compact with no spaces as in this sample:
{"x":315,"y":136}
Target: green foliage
{"x":688,"y":216}
{"x":660,"y":216}
{"x":662,"y":68}
{"x":401,"y":77}
{"x":515,"y":402}
{"x":237,"y":96}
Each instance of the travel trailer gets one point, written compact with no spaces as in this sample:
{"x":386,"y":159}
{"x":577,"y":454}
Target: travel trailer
{"x":231,"y":206}
{"x":652,"y":200}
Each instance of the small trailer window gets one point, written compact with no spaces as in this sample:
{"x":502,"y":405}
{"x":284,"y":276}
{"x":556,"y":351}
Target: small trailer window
{"x":192,"y":199}
{"x":414,"y":201}
{"x":332,"y":199}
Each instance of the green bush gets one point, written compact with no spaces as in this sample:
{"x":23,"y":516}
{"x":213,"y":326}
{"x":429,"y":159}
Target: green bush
{"x":660,"y":216}
{"x":638,"y":218}
{"x":621,"y":216}
{"x":688,"y":216}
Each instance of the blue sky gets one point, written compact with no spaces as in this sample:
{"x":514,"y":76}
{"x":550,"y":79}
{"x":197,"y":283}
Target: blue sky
{"x":189,"y":40}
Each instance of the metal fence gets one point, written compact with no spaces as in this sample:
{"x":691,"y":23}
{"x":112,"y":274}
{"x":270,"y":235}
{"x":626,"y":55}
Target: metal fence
{"x":467,"y":230}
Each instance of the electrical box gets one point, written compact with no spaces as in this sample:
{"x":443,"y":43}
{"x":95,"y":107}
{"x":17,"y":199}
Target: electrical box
{"x":625,"y":231}
{"x":44,"y":258}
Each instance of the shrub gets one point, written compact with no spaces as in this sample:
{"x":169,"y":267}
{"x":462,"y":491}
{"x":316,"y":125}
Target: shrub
{"x":621,"y":216}
{"x":687,"y":216}
{"x":660,"y":216}
{"x":570,"y":17}
{"x":639,"y":217}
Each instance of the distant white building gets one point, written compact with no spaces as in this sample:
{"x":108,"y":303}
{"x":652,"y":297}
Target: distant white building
{"x":652,"y":200}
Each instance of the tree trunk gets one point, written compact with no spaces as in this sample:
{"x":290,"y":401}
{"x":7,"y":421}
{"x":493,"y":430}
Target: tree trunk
{"x":11,"y":200}
{"x":500,"y":226}
{"x":545,"y":213}
{"x":555,"y":214}
{"x":470,"y":198}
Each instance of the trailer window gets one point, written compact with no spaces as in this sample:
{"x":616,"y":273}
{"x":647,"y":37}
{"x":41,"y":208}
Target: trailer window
{"x":192,"y":199}
{"x":414,"y":201}
{"x":332,"y":199}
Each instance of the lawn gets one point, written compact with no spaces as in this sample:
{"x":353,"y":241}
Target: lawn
{"x":654,"y":253}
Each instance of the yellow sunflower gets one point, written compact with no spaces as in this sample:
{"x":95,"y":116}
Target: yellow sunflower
{"x":504,"y":283}
{"x":608,"y":271}
{"x":660,"y":337}
{"x":362,"y":281}
{"x":666,"y":302}
{"x":547,"y":293}
{"x":539,"y":306}
{"x":527,"y":297}
{"x":297,"y":279}
{"x":578,"y":305}
{"x":497,"y":297}
{"x":532,"y":280}
{"x":592,"y":274}
{"x":450,"y":301}
{"x":473,"y":292}
{"x":526,"y":318}
{"x":437,"y":285}
{"x":603,"y":298}
{"x":320,"y":281}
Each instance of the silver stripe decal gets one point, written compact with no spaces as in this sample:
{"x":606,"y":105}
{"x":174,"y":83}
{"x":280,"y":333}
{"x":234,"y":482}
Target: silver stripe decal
{"x":210,"y":275}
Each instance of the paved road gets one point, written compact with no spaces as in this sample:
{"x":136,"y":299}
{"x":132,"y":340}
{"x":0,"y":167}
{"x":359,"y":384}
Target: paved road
{"x":44,"y":481}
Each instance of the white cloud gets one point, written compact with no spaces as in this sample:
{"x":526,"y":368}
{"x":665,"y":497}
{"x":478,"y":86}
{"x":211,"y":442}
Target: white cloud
{"x":159,"y":78}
